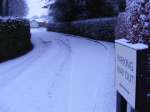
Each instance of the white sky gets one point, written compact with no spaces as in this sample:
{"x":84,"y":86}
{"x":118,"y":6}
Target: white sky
{"x":35,"y":8}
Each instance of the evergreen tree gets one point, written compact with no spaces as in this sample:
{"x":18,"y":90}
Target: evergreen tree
{"x":122,"y":5}
{"x":83,"y":13}
{"x":99,"y":8}
{"x":64,"y":10}
{"x":69,"y":10}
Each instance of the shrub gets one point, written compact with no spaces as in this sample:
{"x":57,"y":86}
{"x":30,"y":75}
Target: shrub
{"x":98,"y":29}
{"x":138,"y":21}
{"x":14,"y":37}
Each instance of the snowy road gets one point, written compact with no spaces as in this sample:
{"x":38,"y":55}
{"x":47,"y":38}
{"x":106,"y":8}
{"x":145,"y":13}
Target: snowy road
{"x":62,"y":74}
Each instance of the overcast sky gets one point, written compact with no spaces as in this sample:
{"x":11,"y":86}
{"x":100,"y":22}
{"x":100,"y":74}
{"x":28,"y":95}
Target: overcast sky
{"x":35,"y":8}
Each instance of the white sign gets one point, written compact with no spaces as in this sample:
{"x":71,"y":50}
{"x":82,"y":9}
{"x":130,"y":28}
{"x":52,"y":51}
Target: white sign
{"x":126,"y":72}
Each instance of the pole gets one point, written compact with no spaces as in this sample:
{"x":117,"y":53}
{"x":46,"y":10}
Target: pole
{"x":121,"y":103}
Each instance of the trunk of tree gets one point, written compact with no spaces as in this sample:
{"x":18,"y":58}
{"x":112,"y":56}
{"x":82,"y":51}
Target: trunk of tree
{"x":13,"y":8}
{"x":3,"y":7}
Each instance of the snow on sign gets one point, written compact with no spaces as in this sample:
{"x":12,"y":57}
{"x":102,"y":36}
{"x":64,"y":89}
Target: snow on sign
{"x":126,"y":73}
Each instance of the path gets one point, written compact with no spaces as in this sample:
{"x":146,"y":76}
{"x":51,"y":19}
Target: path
{"x":62,"y":74}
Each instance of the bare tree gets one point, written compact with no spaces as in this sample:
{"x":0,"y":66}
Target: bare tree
{"x":13,"y":8}
{"x":4,"y":7}
{"x":17,"y":8}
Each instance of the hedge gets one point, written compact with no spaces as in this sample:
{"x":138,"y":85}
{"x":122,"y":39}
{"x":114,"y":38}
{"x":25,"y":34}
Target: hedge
{"x":14,"y":38}
{"x":98,"y":29}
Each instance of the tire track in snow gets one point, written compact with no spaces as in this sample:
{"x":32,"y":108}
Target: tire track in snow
{"x":40,"y":80}
{"x":21,"y":64}
{"x":66,"y":54}
{"x":63,"y":50}
{"x":97,"y":93}
{"x":108,"y":78}
{"x":91,"y":40}
{"x":65,"y":64}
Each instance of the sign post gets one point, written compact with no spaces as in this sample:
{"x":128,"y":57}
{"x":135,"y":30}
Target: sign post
{"x":132,"y":76}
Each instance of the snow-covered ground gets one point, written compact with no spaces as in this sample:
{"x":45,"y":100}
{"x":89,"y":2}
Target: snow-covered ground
{"x":62,"y":74}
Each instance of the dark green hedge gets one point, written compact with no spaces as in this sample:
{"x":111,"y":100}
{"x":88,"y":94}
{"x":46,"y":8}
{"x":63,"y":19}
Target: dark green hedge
{"x":14,"y":38}
{"x":98,"y":29}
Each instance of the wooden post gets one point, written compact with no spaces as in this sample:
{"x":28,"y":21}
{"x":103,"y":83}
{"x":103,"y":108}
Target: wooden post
{"x":121,"y":103}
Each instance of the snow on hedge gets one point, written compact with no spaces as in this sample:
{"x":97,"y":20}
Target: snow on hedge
{"x":138,"y":21}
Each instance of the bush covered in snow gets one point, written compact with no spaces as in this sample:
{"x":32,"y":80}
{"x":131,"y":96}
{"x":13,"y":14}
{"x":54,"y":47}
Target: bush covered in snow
{"x":99,"y":29}
{"x":134,"y":23}
{"x":14,"y":37}
{"x":138,"y":21}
